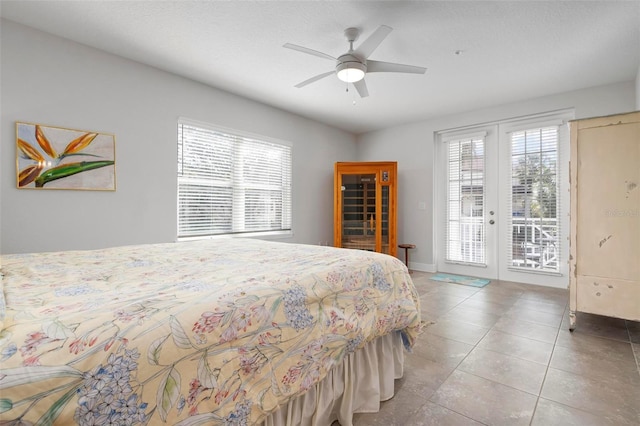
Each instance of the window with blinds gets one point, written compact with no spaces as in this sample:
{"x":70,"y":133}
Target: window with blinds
{"x":465,"y":233}
{"x":229,"y":183}
{"x":534,"y":220}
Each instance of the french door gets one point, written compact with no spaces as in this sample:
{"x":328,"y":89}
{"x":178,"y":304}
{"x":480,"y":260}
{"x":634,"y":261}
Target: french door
{"x":502,"y":201}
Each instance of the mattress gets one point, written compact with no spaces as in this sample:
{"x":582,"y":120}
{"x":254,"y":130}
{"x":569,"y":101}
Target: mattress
{"x":220,"y":331}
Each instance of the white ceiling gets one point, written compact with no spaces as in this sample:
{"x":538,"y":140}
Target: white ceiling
{"x":511,"y":50}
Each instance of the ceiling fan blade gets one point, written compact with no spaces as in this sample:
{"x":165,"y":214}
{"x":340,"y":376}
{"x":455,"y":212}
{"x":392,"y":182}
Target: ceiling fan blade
{"x":370,"y":44}
{"x":308,"y":51}
{"x":316,"y":78}
{"x":361,"y":87}
{"x":379,"y":66}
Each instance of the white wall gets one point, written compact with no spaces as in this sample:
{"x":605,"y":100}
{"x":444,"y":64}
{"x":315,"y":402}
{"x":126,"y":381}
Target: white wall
{"x":412,"y":145}
{"x":54,"y":81}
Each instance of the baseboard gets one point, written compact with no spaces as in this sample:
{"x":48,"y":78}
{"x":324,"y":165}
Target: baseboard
{"x":422,"y":267}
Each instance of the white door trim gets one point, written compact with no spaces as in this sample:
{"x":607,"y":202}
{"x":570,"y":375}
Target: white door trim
{"x":488,"y":133}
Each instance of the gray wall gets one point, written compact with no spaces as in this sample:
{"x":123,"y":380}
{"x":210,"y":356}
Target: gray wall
{"x":412,"y":146}
{"x":54,"y":81}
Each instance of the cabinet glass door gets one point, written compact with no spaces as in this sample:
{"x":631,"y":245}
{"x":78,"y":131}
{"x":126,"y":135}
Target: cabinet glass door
{"x":359,"y":211}
{"x":384,"y":223}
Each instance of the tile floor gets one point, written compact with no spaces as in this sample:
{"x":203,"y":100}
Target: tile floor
{"x":503,"y":355}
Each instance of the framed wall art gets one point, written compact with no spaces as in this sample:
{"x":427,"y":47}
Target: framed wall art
{"x":58,"y":158}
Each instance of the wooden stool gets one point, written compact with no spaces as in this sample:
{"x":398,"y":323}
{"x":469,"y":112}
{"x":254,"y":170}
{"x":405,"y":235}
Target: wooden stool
{"x":406,"y":248}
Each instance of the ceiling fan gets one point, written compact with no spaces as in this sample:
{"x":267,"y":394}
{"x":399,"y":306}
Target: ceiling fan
{"x":353,"y":65}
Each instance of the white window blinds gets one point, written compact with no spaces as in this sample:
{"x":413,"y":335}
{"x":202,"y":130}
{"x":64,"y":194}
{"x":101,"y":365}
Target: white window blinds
{"x":465,"y":233}
{"x":230,"y":183}
{"x":534,"y":219}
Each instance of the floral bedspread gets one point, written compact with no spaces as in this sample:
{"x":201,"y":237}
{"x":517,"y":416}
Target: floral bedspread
{"x":220,"y":331}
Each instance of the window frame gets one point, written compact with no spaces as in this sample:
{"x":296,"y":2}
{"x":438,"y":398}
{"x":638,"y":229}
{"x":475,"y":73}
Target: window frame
{"x":530,"y":191}
{"x":252,"y":137}
{"x":473,"y":221}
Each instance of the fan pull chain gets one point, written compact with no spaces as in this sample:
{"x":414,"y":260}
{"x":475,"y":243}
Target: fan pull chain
{"x":354,"y":95}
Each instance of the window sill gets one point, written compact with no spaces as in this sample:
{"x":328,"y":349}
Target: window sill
{"x":271,"y":235}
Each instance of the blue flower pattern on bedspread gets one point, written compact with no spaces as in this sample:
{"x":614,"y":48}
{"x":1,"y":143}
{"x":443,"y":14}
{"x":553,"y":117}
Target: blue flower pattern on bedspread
{"x":74,"y":290}
{"x":379,"y":280}
{"x":295,"y":307}
{"x":199,"y":332}
{"x":106,"y":395}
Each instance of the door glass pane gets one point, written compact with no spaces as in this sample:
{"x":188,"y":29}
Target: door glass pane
{"x":358,"y":211}
{"x":465,"y":233}
{"x":534,"y":189}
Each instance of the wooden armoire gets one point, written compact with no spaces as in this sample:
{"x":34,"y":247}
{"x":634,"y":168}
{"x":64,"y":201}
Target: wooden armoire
{"x":605,"y":217}
{"x":365,"y":206}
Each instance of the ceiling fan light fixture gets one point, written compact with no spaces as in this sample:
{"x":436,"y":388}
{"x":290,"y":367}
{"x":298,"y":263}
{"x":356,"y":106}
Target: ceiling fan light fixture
{"x":352,"y":66}
{"x":350,"y":72}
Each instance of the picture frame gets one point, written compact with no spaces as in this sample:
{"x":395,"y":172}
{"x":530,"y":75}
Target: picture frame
{"x":49,"y":157}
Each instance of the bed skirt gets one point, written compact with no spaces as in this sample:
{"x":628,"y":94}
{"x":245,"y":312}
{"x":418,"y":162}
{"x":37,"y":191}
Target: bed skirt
{"x":358,"y":385}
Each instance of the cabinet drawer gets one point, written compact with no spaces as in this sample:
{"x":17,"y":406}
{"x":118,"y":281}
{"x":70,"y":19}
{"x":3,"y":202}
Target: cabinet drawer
{"x":608,"y":296}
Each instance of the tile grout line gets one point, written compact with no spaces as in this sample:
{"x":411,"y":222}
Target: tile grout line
{"x":456,"y":369}
{"x":595,"y":414}
{"x":555,"y":344}
{"x":635,"y":355}
{"x":535,"y":407}
{"x":475,"y":346}
{"x":544,"y":379}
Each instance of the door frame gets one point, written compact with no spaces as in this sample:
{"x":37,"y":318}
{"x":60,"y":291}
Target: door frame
{"x":488,"y":133}
{"x":501,"y":128}
{"x":561,"y":119}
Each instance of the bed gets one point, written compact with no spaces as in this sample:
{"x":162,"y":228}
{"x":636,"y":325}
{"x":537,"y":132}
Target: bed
{"x":220,"y":331}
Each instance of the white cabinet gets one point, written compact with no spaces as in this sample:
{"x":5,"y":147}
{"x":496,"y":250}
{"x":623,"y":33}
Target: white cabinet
{"x":605,"y":217}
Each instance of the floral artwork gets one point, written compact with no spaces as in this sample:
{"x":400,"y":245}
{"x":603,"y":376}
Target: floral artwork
{"x":190,"y":333}
{"x":58,"y":158}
